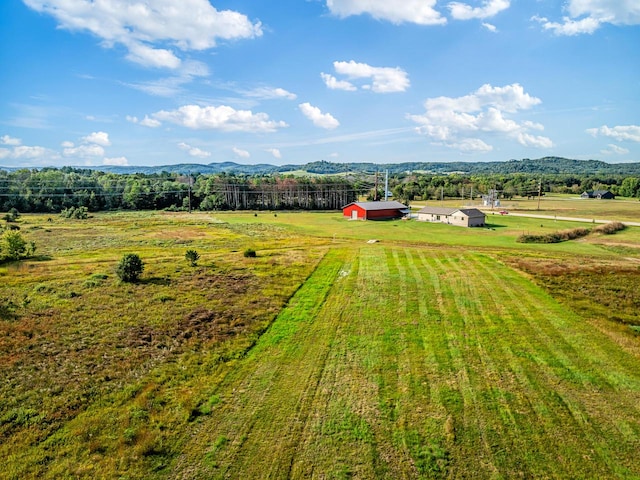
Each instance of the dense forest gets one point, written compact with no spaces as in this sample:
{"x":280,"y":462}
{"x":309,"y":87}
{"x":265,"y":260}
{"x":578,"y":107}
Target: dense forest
{"x":54,"y":190}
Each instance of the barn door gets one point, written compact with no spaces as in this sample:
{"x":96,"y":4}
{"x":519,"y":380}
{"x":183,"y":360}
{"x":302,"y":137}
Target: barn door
{"x":354,"y":214}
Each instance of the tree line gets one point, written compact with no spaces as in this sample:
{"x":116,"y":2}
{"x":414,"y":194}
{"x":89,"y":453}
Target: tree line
{"x":56,"y":190}
{"x":73,"y":190}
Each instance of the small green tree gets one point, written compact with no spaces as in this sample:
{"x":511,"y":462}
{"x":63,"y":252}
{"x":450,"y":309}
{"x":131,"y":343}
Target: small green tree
{"x":12,"y":245}
{"x":130,"y":267}
{"x":13,"y":215}
{"x":250,"y":253}
{"x":192,"y":257}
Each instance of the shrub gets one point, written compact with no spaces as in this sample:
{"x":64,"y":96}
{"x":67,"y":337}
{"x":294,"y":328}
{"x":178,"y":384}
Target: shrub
{"x":12,"y":215}
{"x":12,"y":245}
{"x":250,"y":253}
{"x":192,"y":257}
{"x":80,"y":213}
{"x":610,"y":228}
{"x":130,"y":267}
{"x":555,"y":237}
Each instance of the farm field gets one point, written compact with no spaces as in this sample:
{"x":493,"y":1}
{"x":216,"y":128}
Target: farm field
{"x":432,"y":353}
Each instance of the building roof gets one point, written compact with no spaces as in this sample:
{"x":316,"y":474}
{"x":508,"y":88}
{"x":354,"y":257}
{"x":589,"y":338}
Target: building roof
{"x":469,"y":212}
{"x":438,"y":210}
{"x":472,"y":212}
{"x":369,"y":206}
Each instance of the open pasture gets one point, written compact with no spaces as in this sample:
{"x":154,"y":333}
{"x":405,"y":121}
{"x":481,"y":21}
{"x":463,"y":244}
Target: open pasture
{"x":438,"y":352}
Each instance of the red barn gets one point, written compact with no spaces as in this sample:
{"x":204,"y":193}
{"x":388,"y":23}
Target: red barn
{"x":374,"y":210}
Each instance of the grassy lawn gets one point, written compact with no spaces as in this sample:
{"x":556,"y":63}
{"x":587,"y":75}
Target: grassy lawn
{"x":438,"y":352}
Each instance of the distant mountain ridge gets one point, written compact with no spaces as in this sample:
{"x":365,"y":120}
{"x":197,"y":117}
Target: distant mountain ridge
{"x":545,"y":165}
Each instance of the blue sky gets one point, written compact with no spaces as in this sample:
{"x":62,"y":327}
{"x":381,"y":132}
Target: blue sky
{"x":129,"y":82}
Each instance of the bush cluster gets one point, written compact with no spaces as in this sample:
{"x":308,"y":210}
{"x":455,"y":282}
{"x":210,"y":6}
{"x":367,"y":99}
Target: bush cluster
{"x":80,"y":213}
{"x":609,"y":228}
{"x":555,"y":237}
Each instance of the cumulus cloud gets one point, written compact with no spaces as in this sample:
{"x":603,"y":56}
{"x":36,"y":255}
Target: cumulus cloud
{"x":193,"y":151}
{"x":99,"y":138}
{"x":489,"y":8}
{"x":620,"y":133}
{"x":586,"y":16}
{"x":383,"y":79}
{"x":141,"y":26}
{"x":458,"y":122}
{"x":614,"y":149}
{"x":83,"y":151}
{"x":268,"y":93}
{"x":119,"y":161}
{"x":91,"y":145}
{"x":334,"y":84}
{"x":275,"y":152}
{"x":24,"y":151}
{"x":421,"y":12}
{"x":241,"y":153}
{"x":223,"y":118}
{"x":569,"y":27}
{"x":319,"y":119}
{"x":7,"y":140}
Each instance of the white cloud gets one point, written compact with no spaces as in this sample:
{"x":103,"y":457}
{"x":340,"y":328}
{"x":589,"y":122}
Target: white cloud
{"x":529,"y":140}
{"x":334,"y":84}
{"x":615,"y":150}
{"x":23,"y":151}
{"x":490,"y":27}
{"x":470,"y":145}
{"x":384,"y":79}
{"x":241,"y":153}
{"x":570,"y":27}
{"x":119,"y":161}
{"x":489,"y":8}
{"x":4,"y":153}
{"x":457,"y":122}
{"x":319,"y":119}
{"x":99,"y":138}
{"x":90,"y":146}
{"x":617,"y":12}
{"x":139,"y":26}
{"x":268,"y":93}
{"x":586,"y":16}
{"x":7,"y":140}
{"x":619,"y":133}
{"x":146,"y":121}
{"x":223,"y":118}
{"x":193,"y":151}
{"x":83,"y":151}
{"x":150,"y":122}
{"x":275,"y":152}
{"x":421,"y":12}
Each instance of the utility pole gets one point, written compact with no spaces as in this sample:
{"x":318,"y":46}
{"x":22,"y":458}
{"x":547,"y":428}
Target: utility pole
{"x":189,"y":192}
{"x":386,"y":185}
{"x":539,"y":193}
{"x":375,"y":188}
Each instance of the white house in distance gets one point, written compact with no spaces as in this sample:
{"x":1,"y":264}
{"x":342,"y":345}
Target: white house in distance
{"x":463,"y":217}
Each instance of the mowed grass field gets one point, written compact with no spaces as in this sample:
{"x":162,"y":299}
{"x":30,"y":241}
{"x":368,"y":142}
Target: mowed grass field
{"x":437,"y":352}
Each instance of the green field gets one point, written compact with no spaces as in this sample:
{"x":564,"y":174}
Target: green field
{"x":434,"y":352}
